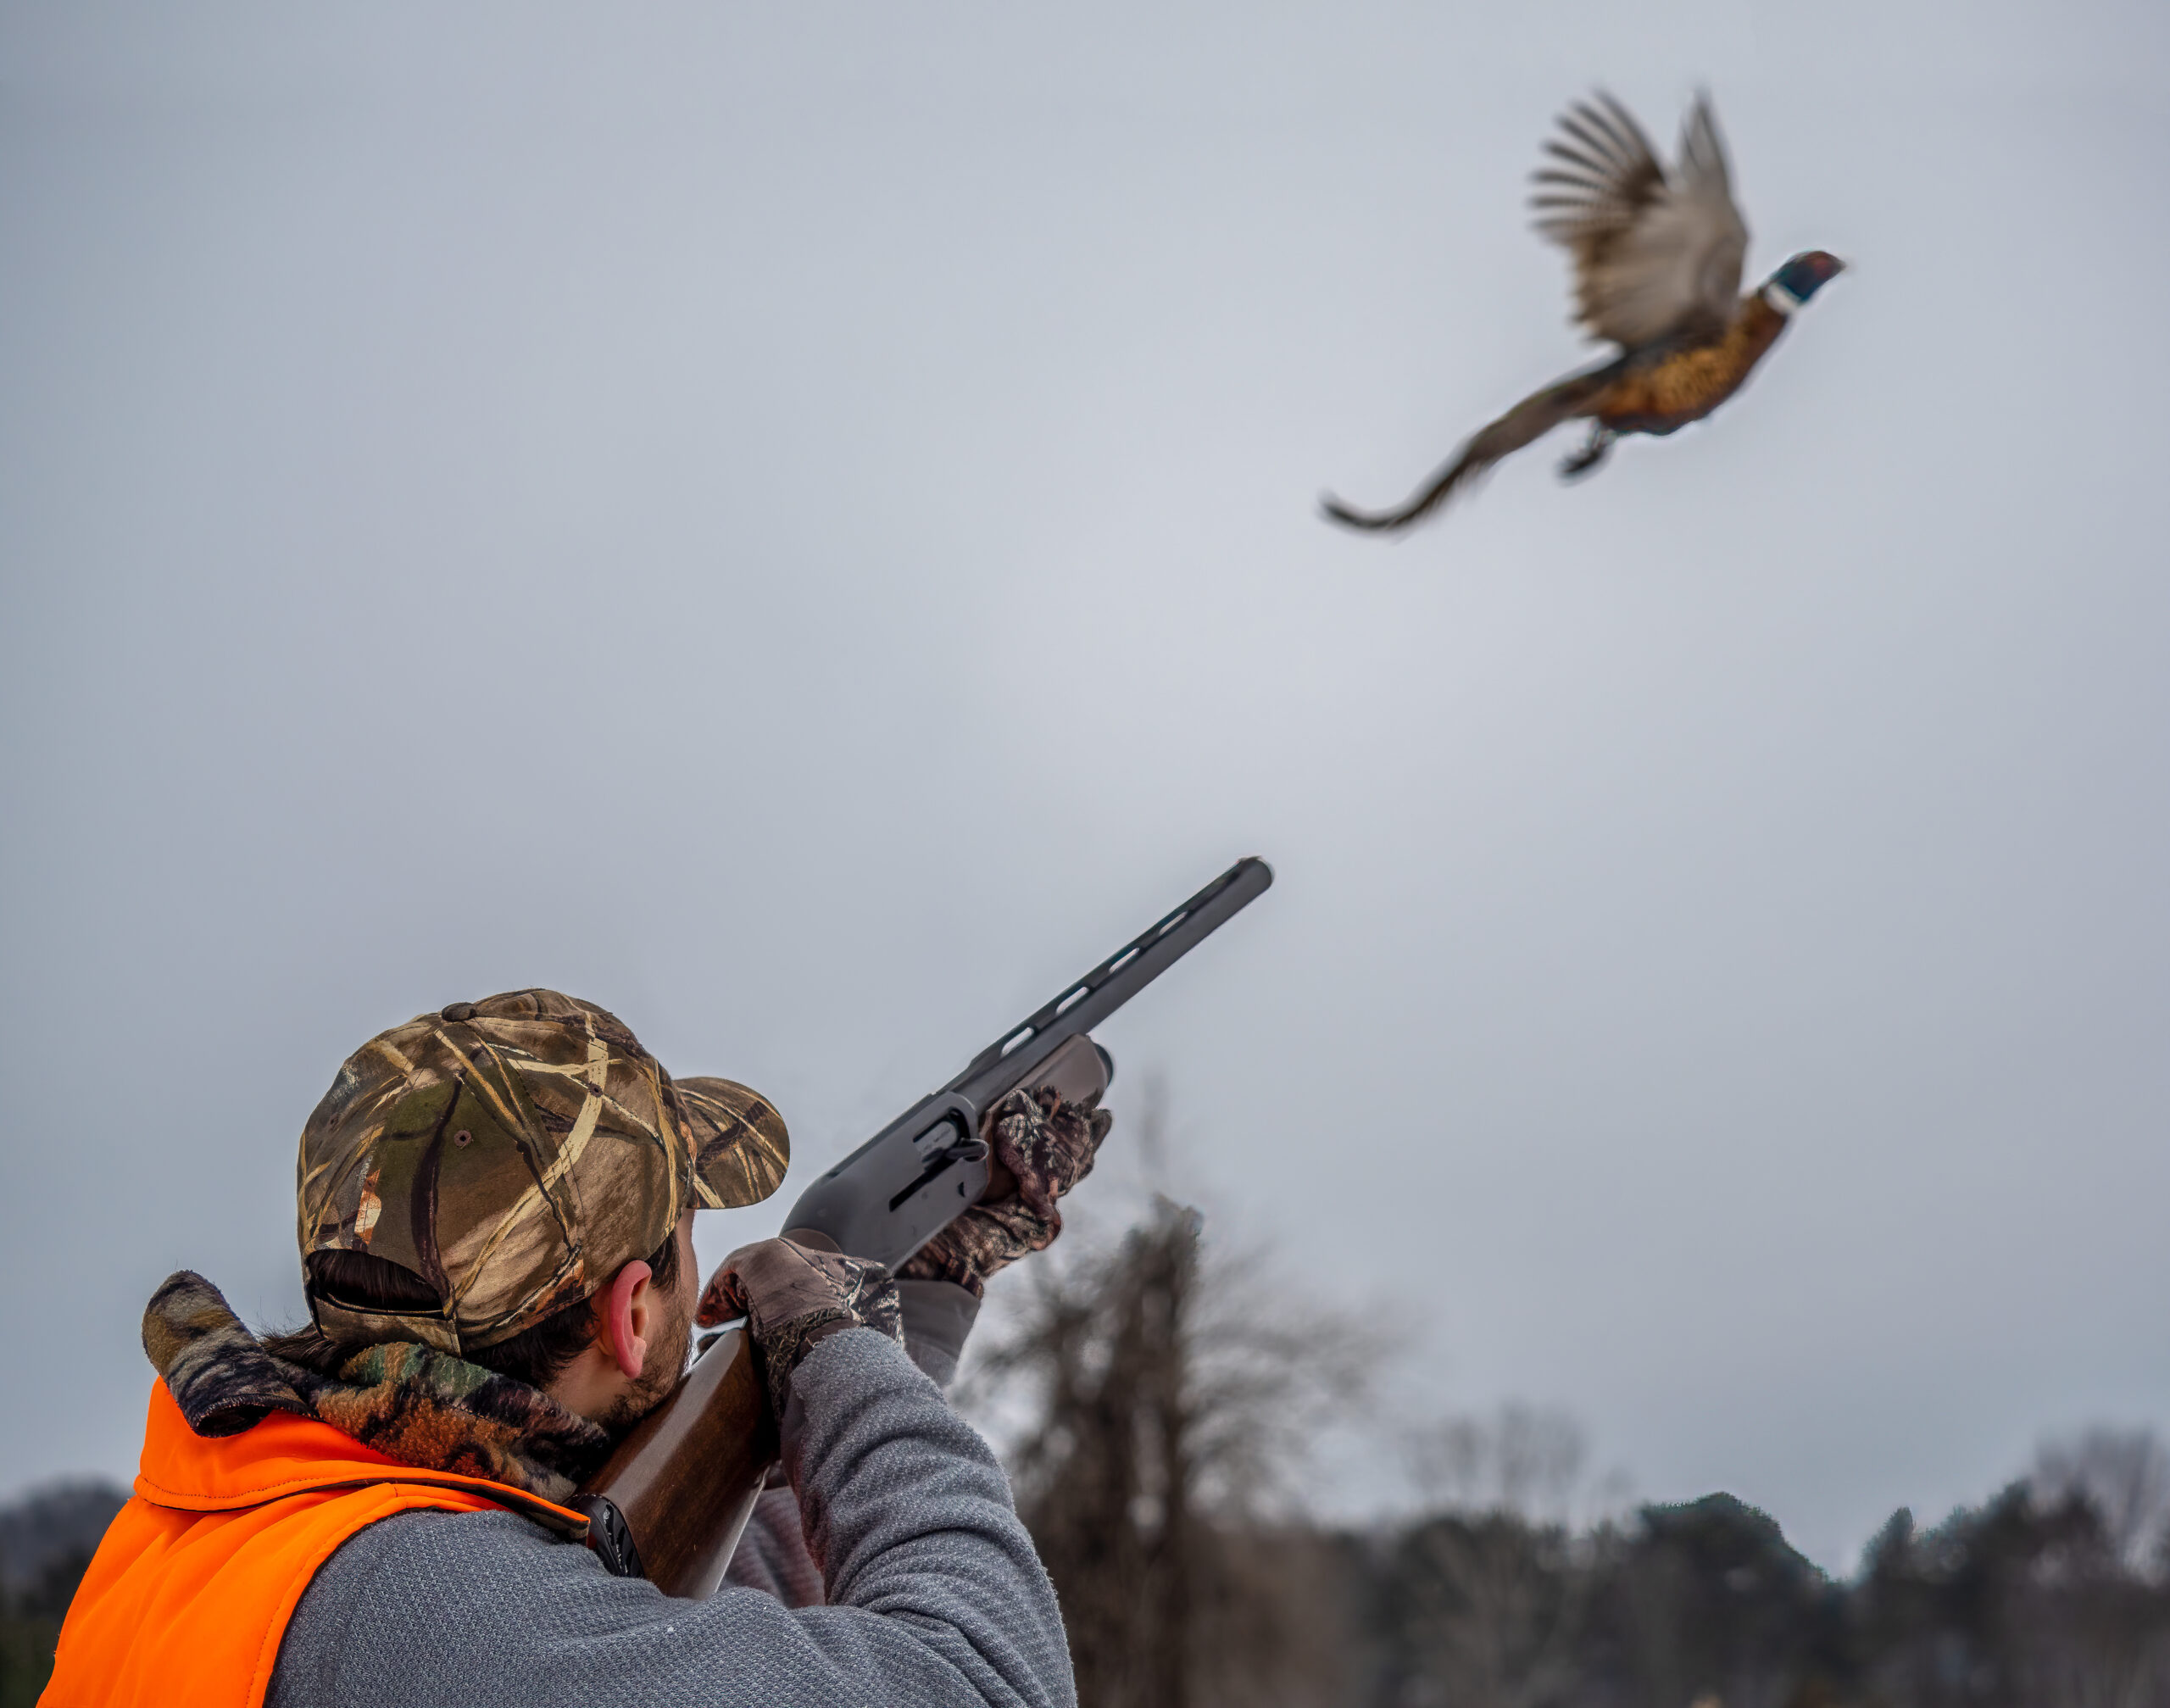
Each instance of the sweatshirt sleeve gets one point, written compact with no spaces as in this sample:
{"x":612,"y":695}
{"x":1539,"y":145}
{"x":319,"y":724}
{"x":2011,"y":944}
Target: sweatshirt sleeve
{"x":771,"y":1556}
{"x":935,"y":1598}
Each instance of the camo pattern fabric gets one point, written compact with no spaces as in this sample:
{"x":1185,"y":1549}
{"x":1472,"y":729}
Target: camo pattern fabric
{"x":793,"y":1298}
{"x":514,"y":1154}
{"x":413,"y":1404}
{"x":1049,"y":1145}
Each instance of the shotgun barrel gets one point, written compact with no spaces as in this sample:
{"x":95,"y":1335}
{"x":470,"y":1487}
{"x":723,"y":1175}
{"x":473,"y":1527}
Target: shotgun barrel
{"x":929,"y":1165}
{"x":674,"y":1497}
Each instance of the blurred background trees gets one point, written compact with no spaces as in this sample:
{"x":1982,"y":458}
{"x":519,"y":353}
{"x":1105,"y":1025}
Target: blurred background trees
{"x":47,"y":1538}
{"x":1171,"y":1402}
{"x":1161,"y":1405}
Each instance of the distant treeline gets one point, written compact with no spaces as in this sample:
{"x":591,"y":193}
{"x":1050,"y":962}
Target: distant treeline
{"x":1166,"y":1403}
{"x":2017,"y":1603}
{"x":46,"y":1540}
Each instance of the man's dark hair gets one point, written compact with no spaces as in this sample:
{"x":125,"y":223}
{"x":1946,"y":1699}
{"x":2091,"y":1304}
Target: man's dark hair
{"x":536,"y":1356}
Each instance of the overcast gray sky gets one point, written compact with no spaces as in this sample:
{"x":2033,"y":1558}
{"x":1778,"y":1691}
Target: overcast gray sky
{"x":797,"y":523}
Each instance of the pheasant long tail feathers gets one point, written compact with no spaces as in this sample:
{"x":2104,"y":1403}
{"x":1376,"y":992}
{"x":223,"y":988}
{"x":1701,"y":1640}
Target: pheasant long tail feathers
{"x":1530,"y":420}
{"x":1456,"y":473}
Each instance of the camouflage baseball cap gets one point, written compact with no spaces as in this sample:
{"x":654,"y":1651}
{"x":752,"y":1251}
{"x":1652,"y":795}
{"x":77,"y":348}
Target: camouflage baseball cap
{"x":513,"y":1153}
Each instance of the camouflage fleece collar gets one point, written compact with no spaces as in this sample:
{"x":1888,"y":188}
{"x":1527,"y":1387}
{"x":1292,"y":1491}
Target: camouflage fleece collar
{"x":413,"y":1404}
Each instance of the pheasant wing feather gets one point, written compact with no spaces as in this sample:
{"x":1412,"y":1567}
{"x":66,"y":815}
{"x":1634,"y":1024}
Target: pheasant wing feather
{"x":1656,"y":255}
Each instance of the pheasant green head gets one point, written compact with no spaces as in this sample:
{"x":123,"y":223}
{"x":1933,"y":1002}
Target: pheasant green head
{"x":1807,"y":274}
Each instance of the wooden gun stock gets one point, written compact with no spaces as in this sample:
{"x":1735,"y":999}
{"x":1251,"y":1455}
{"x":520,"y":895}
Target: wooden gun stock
{"x":669,"y":1505}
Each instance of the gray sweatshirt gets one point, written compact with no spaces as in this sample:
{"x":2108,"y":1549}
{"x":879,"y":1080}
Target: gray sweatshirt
{"x":935,"y":1598}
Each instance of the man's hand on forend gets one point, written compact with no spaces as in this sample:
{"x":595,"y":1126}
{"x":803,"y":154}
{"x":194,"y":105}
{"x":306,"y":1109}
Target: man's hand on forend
{"x":1048,"y":1146}
{"x":793,"y":1296}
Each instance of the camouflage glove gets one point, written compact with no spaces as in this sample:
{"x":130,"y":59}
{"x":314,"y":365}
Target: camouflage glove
{"x":793,"y":1298}
{"x":1048,"y":1145}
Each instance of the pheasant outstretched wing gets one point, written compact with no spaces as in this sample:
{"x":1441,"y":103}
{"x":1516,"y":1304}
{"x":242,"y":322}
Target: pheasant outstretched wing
{"x":1656,"y":254}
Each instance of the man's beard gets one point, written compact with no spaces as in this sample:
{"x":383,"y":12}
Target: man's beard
{"x":660,"y":1371}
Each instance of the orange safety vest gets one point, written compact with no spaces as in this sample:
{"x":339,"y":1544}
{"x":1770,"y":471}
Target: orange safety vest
{"x":189,"y":1594}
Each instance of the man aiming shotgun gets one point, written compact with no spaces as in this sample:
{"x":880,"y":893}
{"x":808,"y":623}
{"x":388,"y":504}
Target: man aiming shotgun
{"x":496,"y":1208}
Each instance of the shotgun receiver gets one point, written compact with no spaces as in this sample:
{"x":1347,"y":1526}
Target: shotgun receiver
{"x":670,"y":1503}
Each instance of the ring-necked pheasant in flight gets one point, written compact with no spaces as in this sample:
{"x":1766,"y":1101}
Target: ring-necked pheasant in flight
{"x":1657,"y":259}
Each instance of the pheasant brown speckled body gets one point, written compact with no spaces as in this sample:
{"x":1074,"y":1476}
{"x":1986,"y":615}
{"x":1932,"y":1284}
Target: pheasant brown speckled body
{"x":1657,"y":259}
{"x":1685,"y":385}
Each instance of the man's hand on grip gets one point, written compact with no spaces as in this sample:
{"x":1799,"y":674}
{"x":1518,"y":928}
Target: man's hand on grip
{"x":1047,"y":1146}
{"x":793,"y":1296}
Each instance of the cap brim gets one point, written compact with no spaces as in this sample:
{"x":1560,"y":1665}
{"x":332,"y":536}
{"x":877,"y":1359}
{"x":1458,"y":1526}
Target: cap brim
{"x":740,"y":1147}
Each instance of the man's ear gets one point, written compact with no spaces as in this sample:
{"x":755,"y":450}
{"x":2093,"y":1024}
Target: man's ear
{"x":626,"y":1304}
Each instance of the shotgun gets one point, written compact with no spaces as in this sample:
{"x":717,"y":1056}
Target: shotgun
{"x":672,"y":1499}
